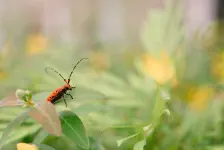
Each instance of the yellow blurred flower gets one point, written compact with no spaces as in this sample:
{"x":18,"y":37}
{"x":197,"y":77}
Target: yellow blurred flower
{"x":36,"y":43}
{"x":218,"y":66}
{"x":199,"y":97}
{"x":99,"y":61}
{"x":5,"y":49}
{"x":24,"y":146}
{"x":160,"y":68}
{"x":3,"y":75}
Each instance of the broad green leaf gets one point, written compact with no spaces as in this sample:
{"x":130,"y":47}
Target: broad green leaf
{"x":45,"y":113}
{"x":12,"y":125}
{"x":73,"y":128}
{"x":139,"y":145}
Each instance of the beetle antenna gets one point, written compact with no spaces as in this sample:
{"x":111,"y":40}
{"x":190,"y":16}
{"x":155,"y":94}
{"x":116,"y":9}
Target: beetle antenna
{"x":74,"y":68}
{"x":46,"y":69}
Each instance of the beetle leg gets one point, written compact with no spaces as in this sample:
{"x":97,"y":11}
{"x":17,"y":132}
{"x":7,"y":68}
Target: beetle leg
{"x":73,"y":88}
{"x":69,"y":95}
{"x":65,"y":101}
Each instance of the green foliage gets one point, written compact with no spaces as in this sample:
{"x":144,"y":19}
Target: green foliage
{"x":94,"y":145}
{"x":45,"y":113}
{"x":12,"y":126}
{"x":39,"y":138}
{"x":120,"y":107}
{"x":139,"y":145}
{"x":44,"y":147}
{"x":163,"y":29}
{"x":73,"y":128}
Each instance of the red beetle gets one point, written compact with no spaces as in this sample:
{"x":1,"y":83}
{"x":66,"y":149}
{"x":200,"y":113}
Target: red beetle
{"x":61,"y":91}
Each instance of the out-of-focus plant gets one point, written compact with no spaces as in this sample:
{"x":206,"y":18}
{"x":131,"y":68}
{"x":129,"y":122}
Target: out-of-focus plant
{"x":24,"y":98}
{"x":185,"y":72}
{"x":137,"y":87}
{"x":217,"y":66}
{"x":163,"y":29}
{"x":160,"y":68}
{"x":163,"y":40}
{"x":36,"y":43}
{"x":99,"y":60}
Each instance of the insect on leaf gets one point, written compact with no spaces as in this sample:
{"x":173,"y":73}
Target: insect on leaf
{"x":45,"y":113}
{"x":12,"y":125}
{"x":73,"y":128}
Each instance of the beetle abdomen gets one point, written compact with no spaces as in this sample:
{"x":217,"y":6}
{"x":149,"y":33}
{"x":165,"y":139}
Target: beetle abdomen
{"x":56,"y":95}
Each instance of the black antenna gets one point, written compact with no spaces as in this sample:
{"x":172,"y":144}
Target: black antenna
{"x":74,"y":68}
{"x":55,"y":72}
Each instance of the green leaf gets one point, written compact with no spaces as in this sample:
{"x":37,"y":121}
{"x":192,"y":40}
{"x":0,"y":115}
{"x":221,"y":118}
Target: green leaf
{"x":44,"y":147}
{"x":215,"y":147}
{"x":139,"y":145}
{"x":40,"y":137}
{"x":73,"y":128}
{"x":61,"y":142}
{"x":159,"y":107}
{"x":163,"y":29}
{"x":12,"y":125}
{"x":94,"y":145}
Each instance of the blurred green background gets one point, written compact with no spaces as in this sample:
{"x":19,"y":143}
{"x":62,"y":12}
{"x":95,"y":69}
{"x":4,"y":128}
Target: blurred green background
{"x":139,"y":53}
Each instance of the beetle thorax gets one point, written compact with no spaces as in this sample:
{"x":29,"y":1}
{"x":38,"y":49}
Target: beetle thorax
{"x":68,"y":86}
